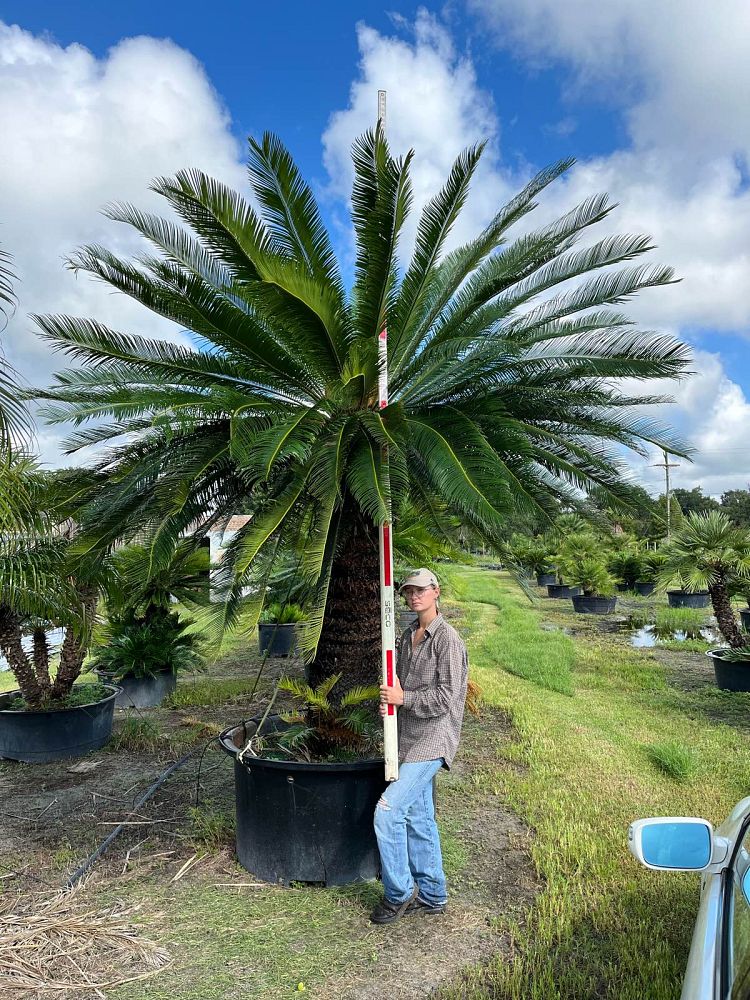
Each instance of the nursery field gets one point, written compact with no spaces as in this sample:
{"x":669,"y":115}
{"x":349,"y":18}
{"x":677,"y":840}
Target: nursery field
{"x":580,"y":733}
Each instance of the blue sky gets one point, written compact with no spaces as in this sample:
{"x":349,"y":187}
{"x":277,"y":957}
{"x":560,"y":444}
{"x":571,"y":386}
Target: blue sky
{"x":647,"y":99}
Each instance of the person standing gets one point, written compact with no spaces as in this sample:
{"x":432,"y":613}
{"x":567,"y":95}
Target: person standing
{"x":429,"y":691}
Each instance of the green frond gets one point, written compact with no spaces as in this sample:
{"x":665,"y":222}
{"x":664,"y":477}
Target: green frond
{"x":356,"y":695}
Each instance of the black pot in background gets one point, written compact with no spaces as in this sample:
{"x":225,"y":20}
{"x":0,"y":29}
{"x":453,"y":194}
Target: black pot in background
{"x":592,"y":605}
{"x":141,"y":692}
{"x":730,"y":676}
{"x":745,"y":619}
{"x":545,"y":579}
{"x":558,"y":590}
{"x":300,"y":822}
{"x":682,"y":599}
{"x":644,"y":589}
{"x":40,"y":737}
{"x":622,"y":588}
{"x":279,"y":640}
{"x":406,"y":619}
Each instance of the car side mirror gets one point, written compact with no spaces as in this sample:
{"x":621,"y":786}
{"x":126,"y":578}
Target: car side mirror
{"x":672,"y":843}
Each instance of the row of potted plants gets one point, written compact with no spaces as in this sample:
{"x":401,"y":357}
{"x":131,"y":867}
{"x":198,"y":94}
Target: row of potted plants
{"x":707,"y":556}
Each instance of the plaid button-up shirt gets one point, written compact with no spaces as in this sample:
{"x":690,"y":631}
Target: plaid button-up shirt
{"x":434,"y":677}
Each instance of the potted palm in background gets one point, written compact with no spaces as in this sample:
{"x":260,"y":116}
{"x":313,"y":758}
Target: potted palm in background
{"x":277,"y":628}
{"x":145,"y":642}
{"x":582,"y":560}
{"x":710,"y":555}
{"x":44,"y":587}
{"x":502,"y":395}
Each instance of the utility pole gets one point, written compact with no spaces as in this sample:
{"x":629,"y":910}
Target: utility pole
{"x":385,"y":533}
{"x":667,"y":465}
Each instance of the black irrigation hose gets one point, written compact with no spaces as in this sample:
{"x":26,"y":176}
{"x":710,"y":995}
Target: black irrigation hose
{"x":101,"y":849}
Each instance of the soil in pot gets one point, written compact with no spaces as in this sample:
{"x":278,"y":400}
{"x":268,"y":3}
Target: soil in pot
{"x":592,"y":604}
{"x":730,"y":676}
{"x":682,"y":599}
{"x":142,"y":692}
{"x":42,"y":736}
{"x":279,"y":640}
{"x":299,"y":822}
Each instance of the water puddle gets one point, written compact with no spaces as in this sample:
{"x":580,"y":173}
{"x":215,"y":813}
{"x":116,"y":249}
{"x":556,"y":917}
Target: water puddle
{"x":650,"y":635}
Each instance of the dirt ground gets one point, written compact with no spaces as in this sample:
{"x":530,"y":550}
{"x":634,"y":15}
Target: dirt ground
{"x":53,"y":816}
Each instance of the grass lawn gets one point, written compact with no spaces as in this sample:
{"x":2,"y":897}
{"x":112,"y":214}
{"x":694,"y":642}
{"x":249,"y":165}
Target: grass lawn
{"x":581,"y":734}
{"x":603,"y":740}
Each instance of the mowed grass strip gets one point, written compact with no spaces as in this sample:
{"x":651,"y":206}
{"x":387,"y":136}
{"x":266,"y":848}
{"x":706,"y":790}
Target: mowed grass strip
{"x":603,"y":926}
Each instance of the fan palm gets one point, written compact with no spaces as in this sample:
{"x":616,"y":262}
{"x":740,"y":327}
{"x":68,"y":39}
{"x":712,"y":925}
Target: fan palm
{"x":500,"y":381}
{"x":14,"y":418}
{"x":707,"y":552}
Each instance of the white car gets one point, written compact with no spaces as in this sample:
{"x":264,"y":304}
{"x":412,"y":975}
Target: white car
{"x":719,"y":963}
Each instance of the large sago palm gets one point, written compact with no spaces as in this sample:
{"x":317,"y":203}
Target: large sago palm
{"x":503,"y":361}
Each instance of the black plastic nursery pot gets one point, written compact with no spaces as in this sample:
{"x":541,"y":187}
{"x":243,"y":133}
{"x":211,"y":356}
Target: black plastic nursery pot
{"x":406,"y":618}
{"x":682,"y":599}
{"x":730,"y":676}
{"x":141,"y":692}
{"x":545,"y":579}
{"x":591,"y":604}
{"x":299,"y":822}
{"x":745,"y":619}
{"x":562,"y":590}
{"x":40,"y":737}
{"x":644,"y":589}
{"x":279,"y":640}
{"x":622,"y":588}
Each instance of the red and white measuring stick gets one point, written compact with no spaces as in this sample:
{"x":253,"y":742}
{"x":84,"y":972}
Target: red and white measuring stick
{"x":387,"y":596}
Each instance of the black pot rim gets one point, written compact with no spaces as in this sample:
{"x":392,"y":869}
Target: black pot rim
{"x":227,"y":745}
{"x":690,"y":593}
{"x":714,"y":654}
{"x":277,"y":624}
{"x":126,"y":677}
{"x":55,"y":711}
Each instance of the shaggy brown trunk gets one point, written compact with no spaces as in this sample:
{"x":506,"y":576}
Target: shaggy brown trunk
{"x":722,"y":606}
{"x":41,"y":660}
{"x":350,"y":638}
{"x":18,"y":661}
{"x":73,"y":649}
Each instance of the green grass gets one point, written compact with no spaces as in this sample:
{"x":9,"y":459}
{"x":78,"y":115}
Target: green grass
{"x":672,"y":619}
{"x":673,"y":759}
{"x":603,"y":926}
{"x":208,"y":692}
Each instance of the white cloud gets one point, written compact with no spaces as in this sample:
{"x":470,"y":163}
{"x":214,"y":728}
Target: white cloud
{"x":694,"y":206}
{"x":79,"y":132}
{"x":435,"y":107}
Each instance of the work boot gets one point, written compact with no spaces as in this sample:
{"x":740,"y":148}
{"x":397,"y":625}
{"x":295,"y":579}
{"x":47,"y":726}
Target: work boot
{"x":387,"y":912}
{"x":419,"y":905}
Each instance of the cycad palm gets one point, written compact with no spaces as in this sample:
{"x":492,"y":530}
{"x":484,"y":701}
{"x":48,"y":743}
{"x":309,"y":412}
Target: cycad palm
{"x":501,"y":393}
{"x":707,"y":552}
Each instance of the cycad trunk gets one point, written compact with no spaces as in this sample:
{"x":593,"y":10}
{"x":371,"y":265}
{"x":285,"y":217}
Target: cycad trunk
{"x":350,"y":639}
{"x":41,"y":660}
{"x":73,"y":649}
{"x":726,"y":621}
{"x":18,"y":661}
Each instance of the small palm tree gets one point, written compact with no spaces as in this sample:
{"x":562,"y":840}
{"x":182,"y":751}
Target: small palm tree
{"x":707,"y":552}
{"x":503,"y":361}
{"x":321,"y":727}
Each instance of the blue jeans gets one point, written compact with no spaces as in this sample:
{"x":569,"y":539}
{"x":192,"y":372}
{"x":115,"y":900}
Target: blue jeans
{"x":408,"y":836}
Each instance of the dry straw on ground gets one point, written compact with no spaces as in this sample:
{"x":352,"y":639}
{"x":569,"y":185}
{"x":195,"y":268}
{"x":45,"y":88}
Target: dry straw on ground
{"x":55,"y":946}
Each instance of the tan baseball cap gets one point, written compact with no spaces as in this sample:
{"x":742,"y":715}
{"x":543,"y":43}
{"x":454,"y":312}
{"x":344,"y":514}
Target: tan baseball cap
{"x":419,"y":578}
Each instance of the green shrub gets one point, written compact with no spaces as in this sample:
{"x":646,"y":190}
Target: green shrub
{"x":282,"y":614}
{"x":138,"y":647}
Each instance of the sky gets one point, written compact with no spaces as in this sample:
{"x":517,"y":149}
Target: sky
{"x":96,"y":100}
